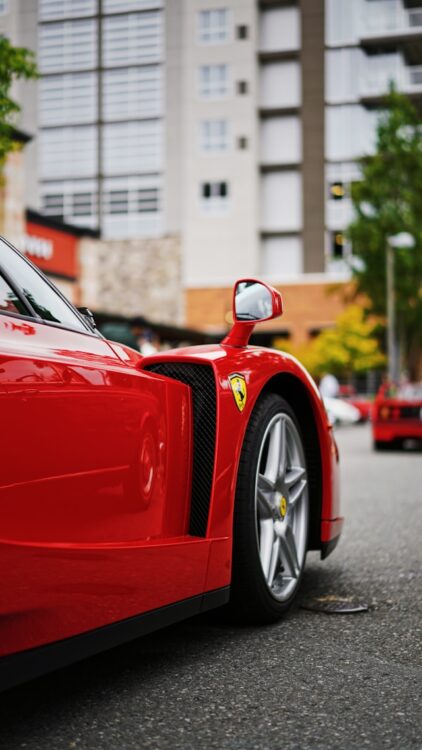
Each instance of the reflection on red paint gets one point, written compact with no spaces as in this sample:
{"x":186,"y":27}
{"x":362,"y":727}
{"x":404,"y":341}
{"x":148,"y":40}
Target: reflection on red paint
{"x":95,"y":479}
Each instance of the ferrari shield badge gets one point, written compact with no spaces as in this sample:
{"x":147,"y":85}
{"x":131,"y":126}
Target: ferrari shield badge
{"x":238,"y":385}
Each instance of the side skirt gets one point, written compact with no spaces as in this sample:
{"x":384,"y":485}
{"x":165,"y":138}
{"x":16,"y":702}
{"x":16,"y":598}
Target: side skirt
{"x":33,"y":663}
{"x":328,"y":547}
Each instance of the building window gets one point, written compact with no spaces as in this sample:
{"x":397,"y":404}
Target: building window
{"x":68,"y":99}
{"x":242,"y":142}
{"x":68,"y":45}
{"x":280,"y":140}
{"x":242,"y":87}
{"x":313,"y":333}
{"x":82,"y":204}
{"x":282,"y":257}
{"x":132,"y":201}
{"x":242,"y":32}
{"x":337,"y":245}
{"x":279,"y":28}
{"x":68,"y":152}
{"x":73,"y":201}
{"x":3,"y":7}
{"x":132,"y":147}
{"x":213,"y":81}
{"x":53,"y":205}
{"x":61,"y":206}
{"x":132,"y":38}
{"x":350,"y":131}
{"x":281,"y":201}
{"x":214,"y":190}
{"x":213,"y":27}
{"x":56,"y":9}
{"x":214,"y":196}
{"x":337,"y":191}
{"x":148,"y":201}
{"x":132,"y":92}
{"x":213,"y":135}
{"x":118,"y":202}
{"x":280,"y":85}
{"x":123,"y":6}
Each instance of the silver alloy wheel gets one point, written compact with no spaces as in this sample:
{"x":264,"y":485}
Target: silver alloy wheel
{"x":282,"y":506}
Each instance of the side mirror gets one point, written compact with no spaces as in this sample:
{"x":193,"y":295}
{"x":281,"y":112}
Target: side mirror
{"x":253,"y":301}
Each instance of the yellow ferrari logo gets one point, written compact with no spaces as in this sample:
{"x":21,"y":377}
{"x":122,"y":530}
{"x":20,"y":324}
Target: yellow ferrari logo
{"x":238,"y":385}
{"x":283,"y":506}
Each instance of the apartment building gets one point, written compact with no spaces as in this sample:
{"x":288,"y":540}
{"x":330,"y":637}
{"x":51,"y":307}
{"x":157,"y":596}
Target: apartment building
{"x":369,"y":43}
{"x":234,"y":125}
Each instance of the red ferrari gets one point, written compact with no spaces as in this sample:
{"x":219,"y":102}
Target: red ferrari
{"x":397,"y":415}
{"x":137,"y":491}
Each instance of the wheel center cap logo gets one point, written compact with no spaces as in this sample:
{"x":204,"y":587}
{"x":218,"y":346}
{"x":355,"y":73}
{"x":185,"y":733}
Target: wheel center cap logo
{"x":283,"y":506}
{"x":238,"y":386}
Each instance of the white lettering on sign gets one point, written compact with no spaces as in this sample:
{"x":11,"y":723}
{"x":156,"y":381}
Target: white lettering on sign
{"x":37,"y":246}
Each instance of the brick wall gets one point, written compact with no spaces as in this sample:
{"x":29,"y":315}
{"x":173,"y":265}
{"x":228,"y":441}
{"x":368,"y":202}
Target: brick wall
{"x":133,"y":277}
{"x":307,"y":306}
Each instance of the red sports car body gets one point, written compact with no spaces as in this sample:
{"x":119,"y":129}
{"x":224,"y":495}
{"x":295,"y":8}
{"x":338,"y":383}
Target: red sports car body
{"x":362,"y":403}
{"x":397,"y":414}
{"x":118,"y":475}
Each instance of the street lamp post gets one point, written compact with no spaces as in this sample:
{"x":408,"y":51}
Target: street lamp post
{"x":404,"y":240}
{"x":391,"y":314}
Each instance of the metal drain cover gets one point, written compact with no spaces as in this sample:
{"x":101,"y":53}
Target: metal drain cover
{"x":334,"y":605}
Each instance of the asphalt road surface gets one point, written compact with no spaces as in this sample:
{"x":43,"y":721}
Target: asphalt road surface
{"x":312,"y":681}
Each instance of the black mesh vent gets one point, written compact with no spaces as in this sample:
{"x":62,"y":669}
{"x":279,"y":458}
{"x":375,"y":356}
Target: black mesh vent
{"x":410,"y":412}
{"x":201,"y":379}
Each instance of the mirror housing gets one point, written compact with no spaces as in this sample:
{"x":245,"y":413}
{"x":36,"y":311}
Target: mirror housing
{"x":253,"y":302}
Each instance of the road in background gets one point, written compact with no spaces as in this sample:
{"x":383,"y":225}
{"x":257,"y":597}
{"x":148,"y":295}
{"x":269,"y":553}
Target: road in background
{"x":311,"y":681}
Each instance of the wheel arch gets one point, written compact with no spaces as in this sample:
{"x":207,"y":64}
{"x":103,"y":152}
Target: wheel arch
{"x":295,"y":392}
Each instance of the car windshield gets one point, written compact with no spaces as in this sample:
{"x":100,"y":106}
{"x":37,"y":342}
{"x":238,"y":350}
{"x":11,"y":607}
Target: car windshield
{"x":43,"y":298}
{"x":404,"y":391}
{"x":410,"y":392}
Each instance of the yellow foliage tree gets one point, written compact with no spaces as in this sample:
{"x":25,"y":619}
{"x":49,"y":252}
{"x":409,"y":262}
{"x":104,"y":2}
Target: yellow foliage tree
{"x":349,"y":347}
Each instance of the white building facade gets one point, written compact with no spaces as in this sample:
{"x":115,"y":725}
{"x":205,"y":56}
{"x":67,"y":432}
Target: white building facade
{"x":234,"y":124}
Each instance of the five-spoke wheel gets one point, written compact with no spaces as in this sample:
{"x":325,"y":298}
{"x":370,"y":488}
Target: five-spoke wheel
{"x":271,"y":513}
{"x":281,"y":505}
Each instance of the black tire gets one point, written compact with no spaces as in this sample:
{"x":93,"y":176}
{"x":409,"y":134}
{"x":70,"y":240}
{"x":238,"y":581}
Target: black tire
{"x":382,"y":445}
{"x":251,"y":599}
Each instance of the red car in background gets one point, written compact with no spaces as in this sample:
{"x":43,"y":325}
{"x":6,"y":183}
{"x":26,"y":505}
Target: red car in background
{"x":136,"y":491}
{"x":397,"y":415}
{"x":362,"y":403}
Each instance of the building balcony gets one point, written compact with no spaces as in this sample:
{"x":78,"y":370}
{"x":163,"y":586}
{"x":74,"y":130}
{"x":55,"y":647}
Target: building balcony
{"x":407,"y":80}
{"x":385,"y":29}
{"x":338,"y":214}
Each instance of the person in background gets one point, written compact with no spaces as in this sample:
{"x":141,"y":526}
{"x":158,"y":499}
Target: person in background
{"x":329,"y":386}
{"x":148,"y":343}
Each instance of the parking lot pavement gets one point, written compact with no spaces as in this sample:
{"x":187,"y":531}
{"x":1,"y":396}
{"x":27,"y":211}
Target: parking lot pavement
{"x":312,"y":681}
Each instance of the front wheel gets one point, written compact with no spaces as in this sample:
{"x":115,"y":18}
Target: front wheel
{"x":271,"y":514}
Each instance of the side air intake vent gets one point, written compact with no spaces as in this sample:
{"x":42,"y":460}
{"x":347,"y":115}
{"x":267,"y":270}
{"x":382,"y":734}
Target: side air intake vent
{"x":201,"y":380}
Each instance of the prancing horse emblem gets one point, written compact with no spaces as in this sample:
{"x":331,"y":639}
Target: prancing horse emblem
{"x":238,"y":385}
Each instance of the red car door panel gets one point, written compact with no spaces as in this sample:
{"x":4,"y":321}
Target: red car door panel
{"x":94,"y":483}
{"x":54,"y":592}
{"x":88,"y":444}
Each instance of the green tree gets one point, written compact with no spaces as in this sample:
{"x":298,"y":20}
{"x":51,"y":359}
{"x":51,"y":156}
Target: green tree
{"x":386,"y":201}
{"x":15,"y":63}
{"x":351,"y":346}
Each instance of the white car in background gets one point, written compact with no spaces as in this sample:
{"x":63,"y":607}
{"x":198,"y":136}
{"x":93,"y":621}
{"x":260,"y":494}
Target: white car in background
{"x":340,"y":412}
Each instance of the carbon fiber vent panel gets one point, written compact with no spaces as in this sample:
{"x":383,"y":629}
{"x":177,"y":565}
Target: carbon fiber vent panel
{"x":201,"y":380}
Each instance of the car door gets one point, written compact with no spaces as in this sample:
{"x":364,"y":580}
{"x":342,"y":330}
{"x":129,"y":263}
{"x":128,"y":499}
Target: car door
{"x":94,"y":473}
